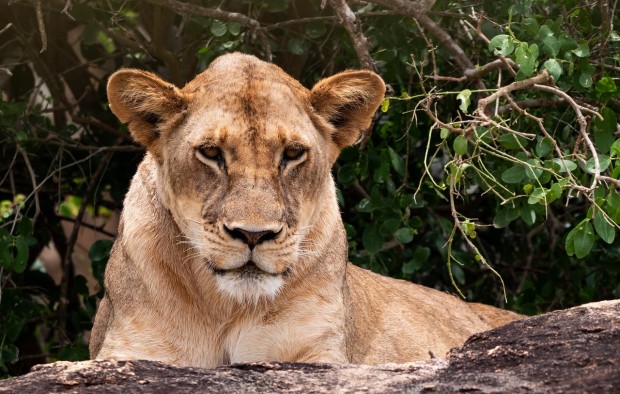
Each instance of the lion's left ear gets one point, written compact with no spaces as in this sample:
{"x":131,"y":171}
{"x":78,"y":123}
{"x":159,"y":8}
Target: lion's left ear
{"x":348,"y":101}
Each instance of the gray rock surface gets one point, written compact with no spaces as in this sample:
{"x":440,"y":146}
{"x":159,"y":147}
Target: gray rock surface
{"x":574,"y":350}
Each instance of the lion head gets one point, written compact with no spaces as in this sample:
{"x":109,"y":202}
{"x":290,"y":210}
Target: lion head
{"x":243,"y":156}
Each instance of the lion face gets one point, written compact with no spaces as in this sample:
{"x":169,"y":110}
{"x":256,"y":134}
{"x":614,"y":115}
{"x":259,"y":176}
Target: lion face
{"x":243,"y":157}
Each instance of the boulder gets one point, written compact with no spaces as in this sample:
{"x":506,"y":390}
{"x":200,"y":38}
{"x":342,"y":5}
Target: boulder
{"x":572,"y":350}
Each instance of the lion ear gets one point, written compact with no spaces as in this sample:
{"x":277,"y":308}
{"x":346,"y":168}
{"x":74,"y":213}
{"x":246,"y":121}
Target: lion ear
{"x":348,"y":101}
{"x":144,"y":102}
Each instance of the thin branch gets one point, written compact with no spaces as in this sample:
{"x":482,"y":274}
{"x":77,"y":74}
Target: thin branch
{"x":98,"y":229}
{"x":5,"y":28}
{"x":64,"y":283}
{"x":531,"y":103}
{"x":503,"y":91}
{"x":326,"y":18}
{"x":216,"y":13}
{"x":66,"y":10}
{"x":41,"y":23}
{"x":352,"y":25}
{"x":33,"y":179}
{"x":414,"y":10}
{"x":583,"y":128}
{"x":87,"y":148}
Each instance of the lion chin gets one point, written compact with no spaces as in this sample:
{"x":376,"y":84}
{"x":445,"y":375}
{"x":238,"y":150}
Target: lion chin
{"x":248,"y":284}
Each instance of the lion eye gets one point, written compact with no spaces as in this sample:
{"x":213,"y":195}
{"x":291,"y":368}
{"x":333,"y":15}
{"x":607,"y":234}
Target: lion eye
{"x":293,"y":153}
{"x":211,"y":153}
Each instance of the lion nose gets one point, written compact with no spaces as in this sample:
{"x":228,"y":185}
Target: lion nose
{"x":251,"y":238}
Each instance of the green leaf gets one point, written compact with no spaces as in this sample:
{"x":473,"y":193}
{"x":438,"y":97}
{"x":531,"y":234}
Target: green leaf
{"x":404,"y":235}
{"x":533,"y":171}
{"x":603,"y":162}
{"x":460,"y":145}
{"x":510,"y":141}
{"x":554,"y":67}
{"x":21,"y":255}
{"x":365,"y":205}
{"x":420,"y":256}
{"x":615,"y":149}
{"x":464,"y":97}
{"x":501,"y":45}
{"x":554,"y":193}
{"x":25,"y":227}
{"x":514,"y":174}
{"x":585,"y":79}
{"x":562,"y":165}
{"x":605,"y":85}
{"x":444,"y":133}
{"x":100,"y":250}
{"x":397,"y":162}
{"x":316,"y":29}
{"x":234,"y":28}
{"x":528,"y":214}
{"x":218,"y":28}
{"x":603,"y":228}
{"x":505,"y":216}
{"x":296,"y":46}
{"x":583,"y":238}
{"x":372,"y":239}
{"x":526,"y":57}
{"x":544,"y":146}
{"x":347,"y":173}
{"x":385,"y":105}
{"x":551,"y":45}
{"x":582,"y":50}
{"x":538,"y":196}
{"x":389,"y":227}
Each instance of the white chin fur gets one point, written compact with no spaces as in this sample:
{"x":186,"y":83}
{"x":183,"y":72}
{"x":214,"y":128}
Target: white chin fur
{"x":249,"y":290}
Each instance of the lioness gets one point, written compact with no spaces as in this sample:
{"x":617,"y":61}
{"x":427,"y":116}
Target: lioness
{"x":231,"y":247}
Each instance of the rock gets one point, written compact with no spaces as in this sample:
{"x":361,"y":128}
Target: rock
{"x":573,"y":350}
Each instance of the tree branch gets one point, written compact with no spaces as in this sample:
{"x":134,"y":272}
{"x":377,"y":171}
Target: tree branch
{"x":352,"y":25}
{"x":414,"y":10}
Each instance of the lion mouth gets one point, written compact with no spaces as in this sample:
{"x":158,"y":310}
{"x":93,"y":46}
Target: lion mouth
{"x":248,"y":270}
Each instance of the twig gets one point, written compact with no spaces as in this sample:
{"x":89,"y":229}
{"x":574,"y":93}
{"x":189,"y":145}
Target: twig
{"x":88,"y":148}
{"x":98,"y":229}
{"x":66,"y":260}
{"x":5,"y":28}
{"x":41,"y":23}
{"x":65,"y":10}
{"x":352,"y":25}
{"x":413,"y":10}
{"x":458,"y":225}
{"x":326,"y":18}
{"x":503,"y":91}
{"x":531,"y":103}
{"x":188,"y":8}
{"x":583,"y":128}
{"x":33,"y":179}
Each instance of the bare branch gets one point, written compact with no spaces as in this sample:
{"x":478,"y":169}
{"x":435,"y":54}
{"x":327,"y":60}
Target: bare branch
{"x":414,"y":10}
{"x":503,"y":91}
{"x":66,"y":10}
{"x":583,"y":128}
{"x":352,"y":25}
{"x":5,"y":28}
{"x":33,"y":179}
{"x":188,"y":8}
{"x":41,"y":23}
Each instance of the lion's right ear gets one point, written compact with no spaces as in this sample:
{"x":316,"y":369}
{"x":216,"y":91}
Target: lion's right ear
{"x":144,"y":102}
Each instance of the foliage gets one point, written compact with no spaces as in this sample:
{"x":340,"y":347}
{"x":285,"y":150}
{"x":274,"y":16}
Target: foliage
{"x":503,"y":157}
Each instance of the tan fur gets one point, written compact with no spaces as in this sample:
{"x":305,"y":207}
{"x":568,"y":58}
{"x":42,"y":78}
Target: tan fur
{"x":178,"y":288}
